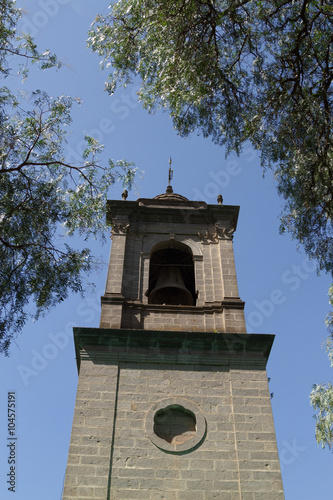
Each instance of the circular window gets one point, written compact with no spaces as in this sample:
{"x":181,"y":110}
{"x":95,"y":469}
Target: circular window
{"x":175,"y":425}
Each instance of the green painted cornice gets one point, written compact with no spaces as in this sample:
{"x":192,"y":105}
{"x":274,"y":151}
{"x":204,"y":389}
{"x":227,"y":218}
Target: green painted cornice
{"x":150,"y":346}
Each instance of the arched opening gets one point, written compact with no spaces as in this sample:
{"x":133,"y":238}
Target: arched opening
{"x":171,"y":276}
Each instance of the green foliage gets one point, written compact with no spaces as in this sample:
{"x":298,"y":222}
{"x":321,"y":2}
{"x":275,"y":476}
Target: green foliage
{"x":22,"y":45}
{"x":43,"y":198}
{"x":329,"y":318}
{"x":237,"y":71}
{"x":321,"y":397}
{"x":322,"y":400}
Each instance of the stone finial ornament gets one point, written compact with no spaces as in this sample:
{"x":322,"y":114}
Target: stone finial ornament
{"x":220,"y":199}
{"x":124,"y":195}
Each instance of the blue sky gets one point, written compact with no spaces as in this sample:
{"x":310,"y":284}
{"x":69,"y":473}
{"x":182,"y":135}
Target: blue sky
{"x":42,"y":368}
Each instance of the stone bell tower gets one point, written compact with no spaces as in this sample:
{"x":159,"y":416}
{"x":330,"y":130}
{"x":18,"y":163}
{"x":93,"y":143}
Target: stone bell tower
{"x":173,"y":401}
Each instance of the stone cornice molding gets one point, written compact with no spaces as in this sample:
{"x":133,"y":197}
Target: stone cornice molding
{"x":187,"y":212}
{"x":231,"y":350}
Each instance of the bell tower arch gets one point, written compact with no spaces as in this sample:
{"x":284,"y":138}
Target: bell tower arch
{"x":171,"y":275}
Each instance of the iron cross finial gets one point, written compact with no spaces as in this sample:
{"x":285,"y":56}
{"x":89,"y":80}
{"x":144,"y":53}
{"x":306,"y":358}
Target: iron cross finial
{"x":170,"y":171}
{"x":169,"y":189}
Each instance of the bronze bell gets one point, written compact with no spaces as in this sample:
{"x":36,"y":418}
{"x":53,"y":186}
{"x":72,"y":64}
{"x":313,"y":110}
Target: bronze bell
{"x":170,"y":288}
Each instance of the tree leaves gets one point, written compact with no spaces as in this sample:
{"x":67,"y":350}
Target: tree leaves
{"x":322,"y":400}
{"x":321,"y":397}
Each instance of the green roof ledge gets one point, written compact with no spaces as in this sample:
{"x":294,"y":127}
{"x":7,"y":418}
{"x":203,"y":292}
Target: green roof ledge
{"x":232,"y":350}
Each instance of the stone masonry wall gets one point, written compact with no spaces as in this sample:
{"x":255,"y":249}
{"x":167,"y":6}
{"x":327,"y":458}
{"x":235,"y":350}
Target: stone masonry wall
{"x":87,"y":473}
{"x":237,"y":459}
{"x":178,"y":318}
